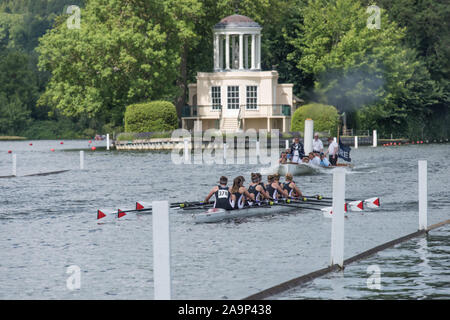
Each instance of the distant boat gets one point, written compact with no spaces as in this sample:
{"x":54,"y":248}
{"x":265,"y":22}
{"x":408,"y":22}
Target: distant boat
{"x":297,"y":169}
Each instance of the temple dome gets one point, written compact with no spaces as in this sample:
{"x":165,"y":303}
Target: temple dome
{"x":236,"y":21}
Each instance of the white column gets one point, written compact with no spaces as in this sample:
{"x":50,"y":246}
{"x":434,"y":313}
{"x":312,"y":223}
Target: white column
{"x":216,"y":51}
{"x":423,"y":195}
{"x":241,"y":51}
{"x":14,"y":165}
{"x":107,"y":141}
{"x":81,"y":160}
{"x":374,"y":138}
{"x":287,"y":144}
{"x":309,"y":135}
{"x":161,"y":251}
{"x":227,"y":51}
{"x":258,"y":53}
{"x":253,"y":52}
{"x":337,"y":224}
{"x":246,"y":51}
{"x":356,"y":142}
{"x":220,"y":52}
{"x":233,"y":44}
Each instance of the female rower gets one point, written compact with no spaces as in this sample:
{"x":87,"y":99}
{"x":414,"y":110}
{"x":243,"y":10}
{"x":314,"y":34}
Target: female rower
{"x":291,"y":187}
{"x":274,"y":189}
{"x":239,"y":193}
{"x":258,"y":190}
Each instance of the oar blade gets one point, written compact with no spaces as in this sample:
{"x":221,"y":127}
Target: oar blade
{"x":372,"y":203}
{"x":100,"y":214}
{"x":356,"y":205}
{"x":120,"y":213}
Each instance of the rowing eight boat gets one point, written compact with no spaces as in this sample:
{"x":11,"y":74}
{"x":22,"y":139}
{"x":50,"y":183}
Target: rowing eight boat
{"x":217,"y":215}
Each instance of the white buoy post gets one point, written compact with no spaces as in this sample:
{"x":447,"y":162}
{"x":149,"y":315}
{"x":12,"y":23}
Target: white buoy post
{"x":225,"y":152}
{"x":309,"y":133}
{"x":356,"y":142}
{"x":161,"y":251}
{"x":81,"y":160}
{"x":14,"y":165}
{"x":107,"y":141}
{"x":337,"y":224}
{"x":374,"y":137}
{"x":287,"y":144}
{"x":257,"y":149}
{"x":423,"y":195}
{"x":186,"y":151}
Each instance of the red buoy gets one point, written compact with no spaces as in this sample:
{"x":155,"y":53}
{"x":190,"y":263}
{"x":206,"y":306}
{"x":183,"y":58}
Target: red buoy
{"x":52,"y":150}
{"x":9,"y":151}
{"x":31,"y":144}
{"x":61,"y":142}
{"x":93,"y":148}
{"x":90,"y":141}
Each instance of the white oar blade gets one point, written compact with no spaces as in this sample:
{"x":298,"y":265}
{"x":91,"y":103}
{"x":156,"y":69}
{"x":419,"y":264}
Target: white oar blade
{"x":372,"y":203}
{"x":104,"y":214}
{"x":356,"y":206}
{"x":327,"y":212}
{"x":143,"y":205}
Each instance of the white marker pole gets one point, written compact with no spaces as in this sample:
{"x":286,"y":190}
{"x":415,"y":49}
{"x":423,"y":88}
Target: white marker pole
{"x":225,"y":152}
{"x":423,"y":195}
{"x":356,"y":142}
{"x":14,"y":165}
{"x":107,"y":141}
{"x":374,"y":138}
{"x":257,"y":149}
{"x":337,"y":224}
{"x":161,"y":251}
{"x":81,"y":160}
{"x":186,"y":151}
{"x":287,"y":144}
{"x":309,"y":132}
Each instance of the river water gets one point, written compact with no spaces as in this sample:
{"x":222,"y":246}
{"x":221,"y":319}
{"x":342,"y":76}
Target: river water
{"x":48,"y":223}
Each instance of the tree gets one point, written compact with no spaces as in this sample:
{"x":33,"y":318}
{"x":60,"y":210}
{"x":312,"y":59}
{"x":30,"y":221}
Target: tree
{"x":120,"y":55}
{"x":356,"y":67}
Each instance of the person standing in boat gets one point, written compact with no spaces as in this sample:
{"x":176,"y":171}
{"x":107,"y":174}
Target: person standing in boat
{"x":258,"y":191}
{"x":290,"y":187}
{"x":239,"y":193}
{"x":333,"y":151}
{"x":297,"y":151}
{"x":317,"y":144}
{"x":222,"y":194}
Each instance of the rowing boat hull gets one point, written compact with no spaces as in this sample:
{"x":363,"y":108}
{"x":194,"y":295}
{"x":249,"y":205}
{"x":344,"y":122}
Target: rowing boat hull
{"x":296,"y":169}
{"x":217,"y":215}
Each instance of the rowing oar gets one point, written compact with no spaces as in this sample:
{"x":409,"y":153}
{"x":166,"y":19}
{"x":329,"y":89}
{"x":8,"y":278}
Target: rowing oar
{"x":357,"y":205}
{"x":292,"y":205}
{"x":143,"y":207}
{"x":372,"y":203}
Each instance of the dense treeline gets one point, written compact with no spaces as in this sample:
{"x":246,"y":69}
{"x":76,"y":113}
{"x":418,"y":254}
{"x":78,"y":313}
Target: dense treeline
{"x":67,"y":81}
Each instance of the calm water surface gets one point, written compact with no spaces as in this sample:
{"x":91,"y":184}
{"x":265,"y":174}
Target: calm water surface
{"x":48,"y":223}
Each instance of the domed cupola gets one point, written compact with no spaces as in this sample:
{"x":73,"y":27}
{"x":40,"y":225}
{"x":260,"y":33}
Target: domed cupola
{"x":237,"y":44}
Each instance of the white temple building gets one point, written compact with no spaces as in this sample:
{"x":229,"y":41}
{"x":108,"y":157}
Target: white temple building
{"x":238,"y":95}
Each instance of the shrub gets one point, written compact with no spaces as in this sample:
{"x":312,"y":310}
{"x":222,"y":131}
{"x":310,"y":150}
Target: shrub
{"x":325,"y":118}
{"x":150,"y":117}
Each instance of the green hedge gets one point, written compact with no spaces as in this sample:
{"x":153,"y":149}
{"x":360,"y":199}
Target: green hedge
{"x":151,"y":117}
{"x":325,"y":118}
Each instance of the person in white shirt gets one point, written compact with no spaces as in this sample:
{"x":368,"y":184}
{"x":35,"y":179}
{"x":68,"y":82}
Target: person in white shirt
{"x":317,"y":144}
{"x":314,"y":159}
{"x":332,"y":151}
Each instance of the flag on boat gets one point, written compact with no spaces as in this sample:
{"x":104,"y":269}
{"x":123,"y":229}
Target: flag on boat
{"x":344,"y":151}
